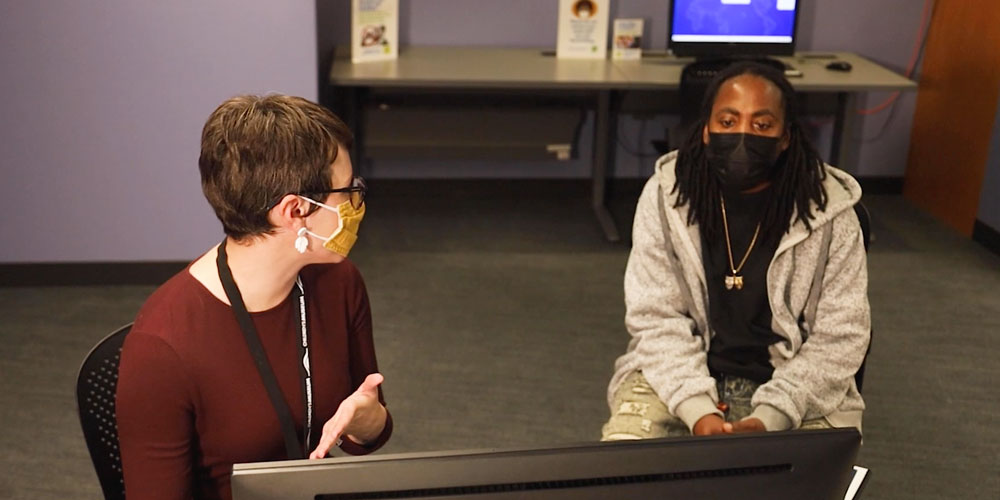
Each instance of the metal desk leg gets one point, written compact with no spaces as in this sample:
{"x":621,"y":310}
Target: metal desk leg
{"x":603,"y":153}
{"x":358,"y":151}
{"x":351,"y":109}
{"x":843,"y":149}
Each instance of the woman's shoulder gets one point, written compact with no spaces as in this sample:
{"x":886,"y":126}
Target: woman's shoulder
{"x":343,"y":277}
{"x":181,"y":300}
{"x":344,"y":270}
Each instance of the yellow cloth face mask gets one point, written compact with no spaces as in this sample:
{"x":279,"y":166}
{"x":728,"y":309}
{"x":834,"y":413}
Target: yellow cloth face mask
{"x":341,"y":241}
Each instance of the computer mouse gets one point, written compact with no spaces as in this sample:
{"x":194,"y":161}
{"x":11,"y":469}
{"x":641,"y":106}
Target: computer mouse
{"x":839,"y":66}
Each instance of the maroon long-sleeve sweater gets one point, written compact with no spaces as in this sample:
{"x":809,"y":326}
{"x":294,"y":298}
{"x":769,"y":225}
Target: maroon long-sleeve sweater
{"x":190,"y":401}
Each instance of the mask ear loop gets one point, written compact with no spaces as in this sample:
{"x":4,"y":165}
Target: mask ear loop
{"x":336,"y":210}
{"x":324,"y":205}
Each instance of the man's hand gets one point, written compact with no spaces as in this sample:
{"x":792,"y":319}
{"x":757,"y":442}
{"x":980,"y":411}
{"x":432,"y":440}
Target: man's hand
{"x":361,"y":417}
{"x":745,"y":425}
{"x":708,"y":425}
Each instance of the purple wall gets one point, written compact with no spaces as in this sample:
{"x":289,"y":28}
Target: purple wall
{"x":103,"y":108}
{"x":104,"y":101}
{"x":882,"y":30}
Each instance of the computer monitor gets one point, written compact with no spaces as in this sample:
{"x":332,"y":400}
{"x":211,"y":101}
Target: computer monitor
{"x":814,"y":464}
{"x":727,"y":28}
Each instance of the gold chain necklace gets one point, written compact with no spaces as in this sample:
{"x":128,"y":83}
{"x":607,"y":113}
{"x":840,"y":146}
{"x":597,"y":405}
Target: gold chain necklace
{"x":735,"y":280}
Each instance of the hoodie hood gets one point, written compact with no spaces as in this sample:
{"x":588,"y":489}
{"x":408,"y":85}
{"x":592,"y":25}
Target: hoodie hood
{"x":842,"y":192}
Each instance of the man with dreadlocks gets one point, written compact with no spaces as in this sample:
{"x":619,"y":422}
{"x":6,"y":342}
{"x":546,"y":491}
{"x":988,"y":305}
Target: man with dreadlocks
{"x":746,"y":289}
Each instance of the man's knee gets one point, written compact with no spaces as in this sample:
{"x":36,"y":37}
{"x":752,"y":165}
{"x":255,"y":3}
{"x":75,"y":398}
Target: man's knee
{"x":638,"y":413}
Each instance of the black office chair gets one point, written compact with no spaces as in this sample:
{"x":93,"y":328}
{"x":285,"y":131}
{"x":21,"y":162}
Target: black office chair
{"x":95,"y":399}
{"x":864,"y":217}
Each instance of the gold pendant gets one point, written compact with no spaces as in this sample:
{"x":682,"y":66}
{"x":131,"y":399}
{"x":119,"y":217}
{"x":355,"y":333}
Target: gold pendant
{"x":735,"y":281}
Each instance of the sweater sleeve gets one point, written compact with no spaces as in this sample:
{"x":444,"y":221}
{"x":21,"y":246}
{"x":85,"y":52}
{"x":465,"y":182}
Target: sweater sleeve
{"x":815,"y":380}
{"x":670,"y":352}
{"x":155,"y":420}
{"x":363,"y":363}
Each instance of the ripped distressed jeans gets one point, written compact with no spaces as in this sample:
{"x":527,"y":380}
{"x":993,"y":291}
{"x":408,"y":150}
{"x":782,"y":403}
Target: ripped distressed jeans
{"x":638,"y":413}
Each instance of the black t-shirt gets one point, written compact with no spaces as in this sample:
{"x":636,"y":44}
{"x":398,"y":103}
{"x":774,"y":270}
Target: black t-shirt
{"x":740,"y":318}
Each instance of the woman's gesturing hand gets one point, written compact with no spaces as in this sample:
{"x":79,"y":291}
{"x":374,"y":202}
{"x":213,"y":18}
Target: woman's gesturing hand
{"x":361,"y":417}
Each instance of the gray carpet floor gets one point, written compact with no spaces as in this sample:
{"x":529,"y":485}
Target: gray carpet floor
{"x":498,"y":314}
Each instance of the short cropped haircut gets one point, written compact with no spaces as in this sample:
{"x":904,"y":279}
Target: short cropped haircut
{"x":256,"y":149}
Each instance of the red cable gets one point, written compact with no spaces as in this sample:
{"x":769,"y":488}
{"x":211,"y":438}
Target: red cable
{"x":885,"y":104}
{"x":910,"y":67}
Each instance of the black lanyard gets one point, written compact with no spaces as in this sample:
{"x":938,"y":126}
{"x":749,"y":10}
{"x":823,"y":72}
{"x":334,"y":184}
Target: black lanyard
{"x":296,"y":449}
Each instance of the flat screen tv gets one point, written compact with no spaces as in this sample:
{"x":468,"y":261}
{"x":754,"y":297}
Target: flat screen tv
{"x":813,"y":464}
{"x":727,"y":28}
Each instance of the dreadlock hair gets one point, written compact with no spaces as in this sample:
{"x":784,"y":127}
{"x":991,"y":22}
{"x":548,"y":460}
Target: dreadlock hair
{"x":799,"y":173}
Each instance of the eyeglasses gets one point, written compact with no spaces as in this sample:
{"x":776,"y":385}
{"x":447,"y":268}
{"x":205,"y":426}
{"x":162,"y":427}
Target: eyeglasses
{"x":356,"y":192}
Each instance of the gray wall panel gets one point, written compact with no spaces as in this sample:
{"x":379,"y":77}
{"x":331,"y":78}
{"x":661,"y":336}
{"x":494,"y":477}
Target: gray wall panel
{"x":989,"y":200}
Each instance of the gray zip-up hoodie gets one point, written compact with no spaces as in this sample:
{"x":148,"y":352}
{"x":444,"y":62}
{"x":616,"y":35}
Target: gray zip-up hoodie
{"x":818,"y":290}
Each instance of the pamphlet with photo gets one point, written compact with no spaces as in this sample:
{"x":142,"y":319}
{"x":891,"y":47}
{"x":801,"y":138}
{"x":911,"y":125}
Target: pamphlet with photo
{"x":374,"y":30}
{"x":583,"y":29}
{"x":626,"y":42}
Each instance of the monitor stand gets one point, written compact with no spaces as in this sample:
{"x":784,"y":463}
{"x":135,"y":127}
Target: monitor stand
{"x":720,"y":62}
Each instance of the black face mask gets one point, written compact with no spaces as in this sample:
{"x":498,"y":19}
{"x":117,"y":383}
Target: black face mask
{"x":742,"y":161}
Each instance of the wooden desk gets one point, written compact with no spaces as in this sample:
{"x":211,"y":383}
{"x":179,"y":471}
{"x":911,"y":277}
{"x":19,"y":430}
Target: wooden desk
{"x":504,"y":69}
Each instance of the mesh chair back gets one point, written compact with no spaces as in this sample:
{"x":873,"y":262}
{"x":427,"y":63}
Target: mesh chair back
{"x":865,"y":219}
{"x":95,"y":399}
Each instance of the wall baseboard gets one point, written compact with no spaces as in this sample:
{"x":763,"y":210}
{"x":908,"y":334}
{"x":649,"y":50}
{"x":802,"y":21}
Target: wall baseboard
{"x":89,"y":273}
{"x":874,"y":185}
{"x":155,"y":273}
{"x":986,"y":236}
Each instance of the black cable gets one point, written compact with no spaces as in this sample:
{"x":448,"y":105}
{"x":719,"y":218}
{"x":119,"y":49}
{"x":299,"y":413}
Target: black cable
{"x":637,"y":153}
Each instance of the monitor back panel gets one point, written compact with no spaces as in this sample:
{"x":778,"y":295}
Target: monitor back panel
{"x":793,"y":464}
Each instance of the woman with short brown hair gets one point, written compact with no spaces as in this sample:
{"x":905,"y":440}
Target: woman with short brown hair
{"x":246,"y":353}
